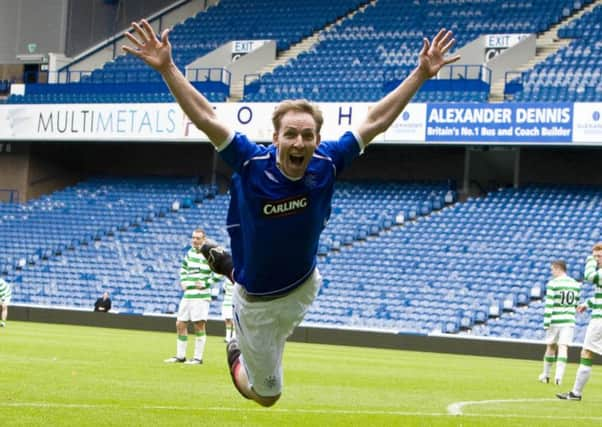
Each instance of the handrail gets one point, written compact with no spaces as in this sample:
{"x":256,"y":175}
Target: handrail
{"x":477,"y":76}
{"x":513,"y":83}
{"x":112,"y":76}
{"x":467,"y":72}
{"x":513,"y":75}
{"x":250,"y":78}
{"x":206,"y":74}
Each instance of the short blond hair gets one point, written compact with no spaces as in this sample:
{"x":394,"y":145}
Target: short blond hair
{"x":299,"y":105}
{"x":597,"y":247}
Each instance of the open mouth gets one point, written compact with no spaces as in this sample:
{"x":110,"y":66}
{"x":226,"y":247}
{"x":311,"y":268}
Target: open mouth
{"x":296,"y":160}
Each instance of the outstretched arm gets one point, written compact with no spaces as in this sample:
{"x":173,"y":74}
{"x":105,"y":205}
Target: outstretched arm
{"x":592,"y":272}
{"x":432,"y":58}
{"x":157,"y":54}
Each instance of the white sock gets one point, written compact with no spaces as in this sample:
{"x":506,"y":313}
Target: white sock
{"x":560,"y":367}
{"x":548,"y":361}
{"x":199,"y":346}
{"x":583,"y":374}
{"x":181,"y":347}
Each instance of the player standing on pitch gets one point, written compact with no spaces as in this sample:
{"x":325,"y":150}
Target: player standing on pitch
{"x":562,"y":298}
{"x":5,"y":294}
{"x":196,"y":278}
{"x":593,"y":335}
{"x":280,"y":202}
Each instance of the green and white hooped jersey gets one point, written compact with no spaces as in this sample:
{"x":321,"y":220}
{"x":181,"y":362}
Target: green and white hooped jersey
{"x":228,"y":288}
{"x":5,"y":292}
{"x":594,"y":274}
{"x":562,"y":298}
{"x":195,"y":270}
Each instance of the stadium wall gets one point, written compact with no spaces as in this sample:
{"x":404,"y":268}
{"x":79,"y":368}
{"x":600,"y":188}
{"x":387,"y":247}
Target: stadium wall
{"x":14,"y":167}
{"x":40,"y":168}
{"x":130,"y":159}
{"x":361,"y":338}
{"x":33,"y":173}
{"x":27,"y":22}
{"x":92,"y":45}
{"x":556,"y":165}
{"x":92,"y":21}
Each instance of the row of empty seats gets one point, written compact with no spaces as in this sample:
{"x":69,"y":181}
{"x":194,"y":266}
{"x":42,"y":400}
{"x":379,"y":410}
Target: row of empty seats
{"x":365,"y":54}
{"x":383,"y":42}
{"x":197,"y":36}
{"x":405,"y":257}
{"x":572,"y":73}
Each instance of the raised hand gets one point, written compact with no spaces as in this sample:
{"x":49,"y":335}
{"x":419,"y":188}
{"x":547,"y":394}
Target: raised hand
{"x":156,"y":53}
{"x":432,"y":56}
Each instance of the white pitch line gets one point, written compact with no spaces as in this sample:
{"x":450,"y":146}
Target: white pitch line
{"x":218,"y":408}
{"x":457,"y":405}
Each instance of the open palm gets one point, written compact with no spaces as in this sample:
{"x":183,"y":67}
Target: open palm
{"x":432,"y":56}
{"x":156,"y":53}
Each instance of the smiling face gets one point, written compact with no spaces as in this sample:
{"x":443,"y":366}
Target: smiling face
{"x":296,"y":139}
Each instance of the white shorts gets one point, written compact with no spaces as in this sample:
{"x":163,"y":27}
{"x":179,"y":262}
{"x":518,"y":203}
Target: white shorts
{"x":262,"y":328}
{"x":226,"y":311}
{"x":562,"y":335}
{"x":193,"y":309}
{"x":5,"y":301}
{"x":593,"y":336}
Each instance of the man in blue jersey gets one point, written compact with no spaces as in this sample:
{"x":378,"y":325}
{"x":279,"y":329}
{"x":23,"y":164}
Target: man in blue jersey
{"x":280,"y":203}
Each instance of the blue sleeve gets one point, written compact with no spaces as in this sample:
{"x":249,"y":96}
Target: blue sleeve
{"x":343,"y":151}
{"x":239,"y":150}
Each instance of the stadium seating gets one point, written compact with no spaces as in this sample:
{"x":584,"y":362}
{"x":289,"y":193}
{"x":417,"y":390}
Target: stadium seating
{"x":571,"y":74}
{"x":78,"y":225}
{"x":470,"y":268}
{"x":128,"y":79}
{"x":360,"y":59}
{"x":364,"y":57}
{"x":403,"y":257}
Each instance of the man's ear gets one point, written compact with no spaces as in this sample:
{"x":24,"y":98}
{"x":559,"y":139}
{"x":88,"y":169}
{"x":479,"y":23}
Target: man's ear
{"x":275,"y":138}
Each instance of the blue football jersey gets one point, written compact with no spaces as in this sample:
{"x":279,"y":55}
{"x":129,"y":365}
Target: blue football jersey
{"x":275,"y":222}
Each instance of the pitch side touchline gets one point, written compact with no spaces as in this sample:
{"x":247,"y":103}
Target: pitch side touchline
{"x":457,"y":405}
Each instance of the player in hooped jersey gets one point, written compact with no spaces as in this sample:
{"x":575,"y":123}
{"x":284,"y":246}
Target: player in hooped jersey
{"x":280,"y":203}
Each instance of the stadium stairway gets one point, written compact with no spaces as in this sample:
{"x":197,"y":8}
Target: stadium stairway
{"x":548,"y":43}
{"x":365,"y":56}
{"x":305,"y":45}
{"x":127,"y":79}
{"x":364,"y":48}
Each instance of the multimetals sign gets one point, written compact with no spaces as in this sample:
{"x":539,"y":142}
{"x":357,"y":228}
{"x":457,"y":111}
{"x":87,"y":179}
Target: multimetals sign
{"x":508,"y":123}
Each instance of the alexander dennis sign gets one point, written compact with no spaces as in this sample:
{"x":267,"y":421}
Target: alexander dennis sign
{"x":437,"y":123}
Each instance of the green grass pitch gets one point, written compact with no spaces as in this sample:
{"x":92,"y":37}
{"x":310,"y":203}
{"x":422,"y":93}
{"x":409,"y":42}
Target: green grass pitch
{"x":57,"y":375}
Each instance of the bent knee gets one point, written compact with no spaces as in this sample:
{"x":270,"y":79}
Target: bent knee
{"x":586,"y":354}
